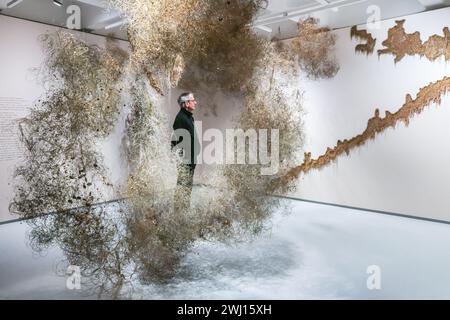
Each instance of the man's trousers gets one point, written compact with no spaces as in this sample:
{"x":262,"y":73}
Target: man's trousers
{"x":184,"y":187}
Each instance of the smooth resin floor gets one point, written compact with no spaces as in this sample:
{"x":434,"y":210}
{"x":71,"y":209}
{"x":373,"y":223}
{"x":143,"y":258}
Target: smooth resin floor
{"x":313,"y":252}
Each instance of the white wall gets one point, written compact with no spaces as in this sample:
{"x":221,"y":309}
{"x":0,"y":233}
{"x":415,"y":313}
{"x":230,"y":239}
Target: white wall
{"x":20,"y":51}
{"x":404,"y":170}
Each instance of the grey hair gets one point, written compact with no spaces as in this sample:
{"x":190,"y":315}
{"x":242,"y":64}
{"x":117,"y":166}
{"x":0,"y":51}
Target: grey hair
{"x":183,"y":98}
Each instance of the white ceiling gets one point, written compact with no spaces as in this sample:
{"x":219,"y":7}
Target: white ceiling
{"x":94,"y":15}
{"x":278,"y":19}
{"x":281,"y":21}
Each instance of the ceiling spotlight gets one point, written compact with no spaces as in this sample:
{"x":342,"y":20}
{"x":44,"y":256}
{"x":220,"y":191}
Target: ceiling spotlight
{"x":115,"y":24}
{"x":58,"y":3}
{"x":264,"y":28}
{"x":13,"y":3}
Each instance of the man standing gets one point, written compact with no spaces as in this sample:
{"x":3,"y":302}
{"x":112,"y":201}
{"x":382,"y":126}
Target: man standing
{"x":184,"y":129}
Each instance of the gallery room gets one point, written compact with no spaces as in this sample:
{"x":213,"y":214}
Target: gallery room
{"x":224,"y":150}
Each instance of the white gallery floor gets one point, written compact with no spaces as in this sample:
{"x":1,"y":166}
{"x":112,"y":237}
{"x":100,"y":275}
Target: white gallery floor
{"x":313,"y":252}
